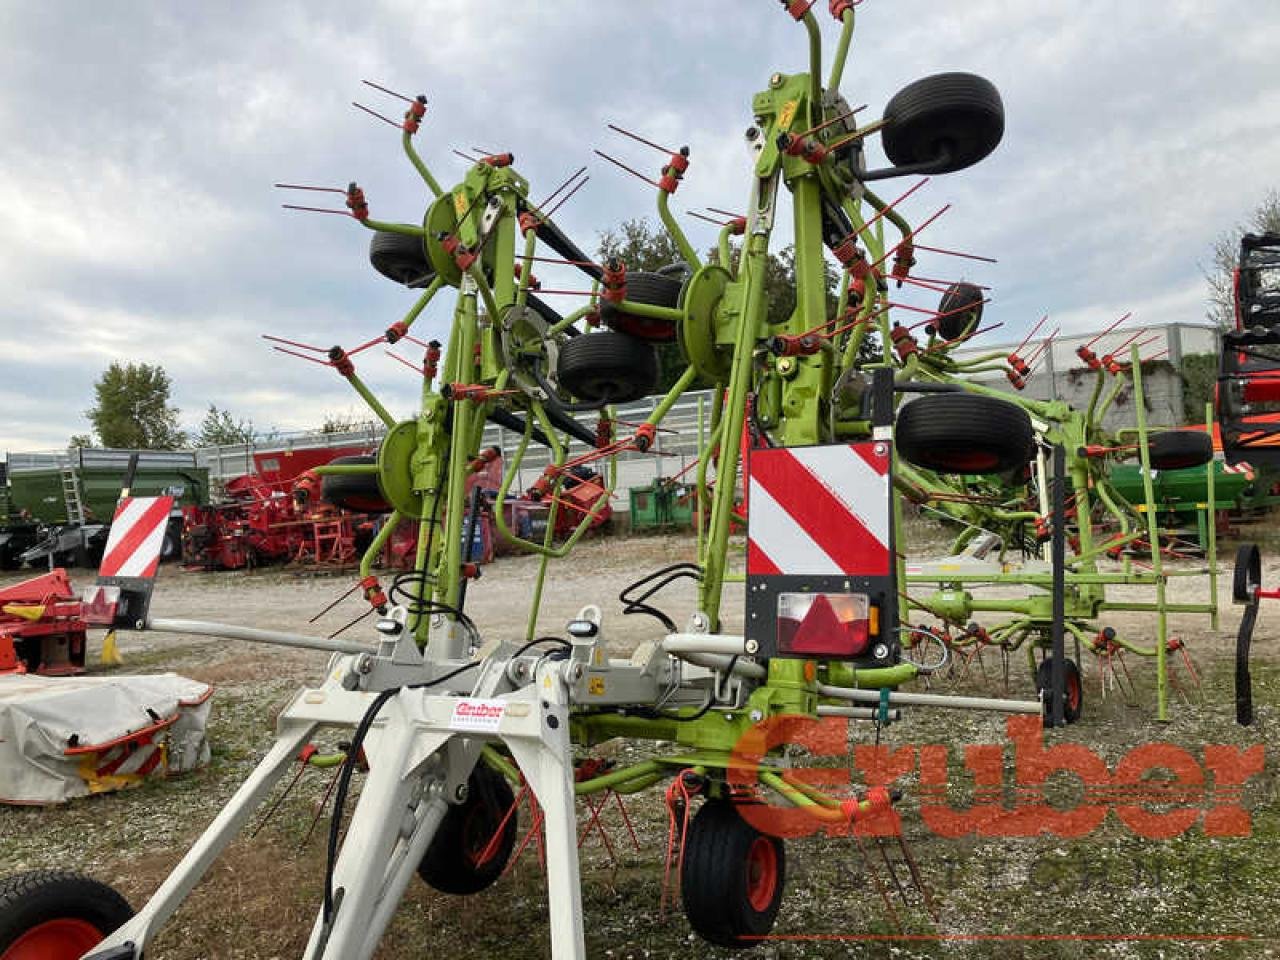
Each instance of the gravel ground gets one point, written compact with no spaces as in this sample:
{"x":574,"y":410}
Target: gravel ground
{"x":992,"y":894}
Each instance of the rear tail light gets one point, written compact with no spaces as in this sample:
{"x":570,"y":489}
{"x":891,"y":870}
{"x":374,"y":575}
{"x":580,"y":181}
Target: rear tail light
{"x":824,"y":624}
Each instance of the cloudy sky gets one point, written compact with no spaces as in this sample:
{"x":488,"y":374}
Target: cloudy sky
{"x":140,"y":142}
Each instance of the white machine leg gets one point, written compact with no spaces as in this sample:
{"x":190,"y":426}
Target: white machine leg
{"x":212,"y":842}
{"x":397,"y":814}
{"x":547,"y":764}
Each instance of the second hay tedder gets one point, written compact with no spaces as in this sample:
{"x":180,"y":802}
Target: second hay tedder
{"x":449,"y":719}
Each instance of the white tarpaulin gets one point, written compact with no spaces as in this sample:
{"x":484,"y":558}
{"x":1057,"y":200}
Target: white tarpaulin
{"x":65,"y":737}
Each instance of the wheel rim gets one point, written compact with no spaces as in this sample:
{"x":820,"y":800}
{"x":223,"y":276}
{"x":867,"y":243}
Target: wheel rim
{"x":1073,"y":691}
{"x":975,"y":460}
{"x":62,"y":939}
{"x":762,"y":874}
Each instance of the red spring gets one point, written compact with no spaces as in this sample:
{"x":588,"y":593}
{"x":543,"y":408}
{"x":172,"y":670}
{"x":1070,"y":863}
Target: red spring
{"x":904,"y":259}
{"x":593,"y":319}
{"x":470,"y":571}
{"x":483,"y":459}
{"x":604,"y":432}
{"x":341,"y":362}
{"x":839,"y":7}
{"x":801,"y":345}
{"x":847,"y":253}
{"x":679,"y":162}
{"x":373,"y":592}
{"x":798,"y":8}
{"x":450,"y":243}
{"x":431,"y":361}
{"x":396,"y":331}
{"x":499,"y":159}
{"x":614,"y":280}
{"x":529,"y":222}
{"x":673,"y":172}
{"x":1113,"y":366}
{"x":737,"y":226}
{"x":1016,"y":379}
{"x":1019,"y":364}
{"x":534,"y":282}
{"x":644,"y":436}
{"x":1043,"y":531}
{"x":464,"y":258}
{"x":1089,"y":357}
{"x":878,"y":800}
{"x":904,"y":345}
{"x":356,"y":202}
{"x":808,"y":149}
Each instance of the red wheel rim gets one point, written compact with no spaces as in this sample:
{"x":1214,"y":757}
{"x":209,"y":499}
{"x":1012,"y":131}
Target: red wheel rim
{"x":64,"y":939}
{"x":762,"y":874}
{"x":976,"y":460}
{"x":1073,"y":691}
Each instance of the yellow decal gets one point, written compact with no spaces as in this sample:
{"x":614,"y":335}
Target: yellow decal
{"x":595,"y":686}
{"x":459,"y":204}
{"x":787,"y":114}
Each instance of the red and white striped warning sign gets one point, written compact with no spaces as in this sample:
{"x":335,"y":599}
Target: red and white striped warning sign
{"x":137,"y":534}
{"x":819,"y":511}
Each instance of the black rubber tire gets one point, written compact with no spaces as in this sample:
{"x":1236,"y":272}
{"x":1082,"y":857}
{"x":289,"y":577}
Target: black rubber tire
{"x":656,"y":289}
{"x":607,"y":367}
{"x":1244,"y":681}
{"x":360,"y":493}
{"x":1073,"y":702}
{"x":1247,"y":575}
{"x":1180,"y":449}
{"x":956,"y":320}
{"x":956,"y":115}
{"x":964,"y":433}
{"x":716,"y":877}
{"x":28,"y":900}
{"x":449,"y":865}
{"x":402,"y":258}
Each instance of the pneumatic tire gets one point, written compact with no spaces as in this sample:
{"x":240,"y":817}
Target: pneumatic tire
{"x":402,"y":258}
{"x":654,"y":289}
{"x":607,"y":367}
{"x":1073,"y":684}
{"x":959,"y":311}
{"x":951,"y":119}
{"x":1180,"y":449}
{"x":1246,"y":578}
{"x":475,"y":839}
{"x":964,"y":433}
{"x":56,"y":915}
{"x":360,"y":492}
{"x":731,"y":878}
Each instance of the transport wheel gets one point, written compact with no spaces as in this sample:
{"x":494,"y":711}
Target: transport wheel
{"x":607,"y":367}
{"x":464,"y":856}
{"x":1247,"y":577}
{"x":661,"y":289}
{"x":950,"y":119}
{"x":1073,"y":702}
{"x":401,"y":258}
{"x":731,"y":877}
{"x":958,"y":320}
{"x":1244,"y":682}
{"x":964,"y":433}
{"x":1180,"y":449}
{"x":359,"y":492}
{"x":56,"y":915}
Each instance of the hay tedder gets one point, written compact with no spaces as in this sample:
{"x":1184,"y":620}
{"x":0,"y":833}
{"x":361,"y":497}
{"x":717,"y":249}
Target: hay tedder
{"x":807,"y":449}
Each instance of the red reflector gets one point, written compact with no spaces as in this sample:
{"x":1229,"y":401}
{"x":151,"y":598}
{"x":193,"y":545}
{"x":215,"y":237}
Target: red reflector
{"x":823,"y":624}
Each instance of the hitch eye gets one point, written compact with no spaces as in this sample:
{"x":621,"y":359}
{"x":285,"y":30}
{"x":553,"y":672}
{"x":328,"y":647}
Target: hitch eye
{"x":823,"y":624}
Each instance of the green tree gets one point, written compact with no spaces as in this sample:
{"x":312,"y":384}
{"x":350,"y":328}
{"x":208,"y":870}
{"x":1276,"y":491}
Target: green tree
{"x":219,"y":429}
{"x":80,"y":440}
{"x":132,"y":408}
{"x":1226,"y":252}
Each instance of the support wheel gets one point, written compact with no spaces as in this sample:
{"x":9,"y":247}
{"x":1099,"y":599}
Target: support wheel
{"x":56,"y":915}
{"x":401,"y":258}
{"x":469,"y":852}
{"x":948,"y":121}
{"x":1180,"y":449}
{"x":607,"y":367}
{"x":660,"y":289}
{"x":1247,"y":577}
{"x":961,"y":311}
{"x":1073,"y":701}
{"x":964,"y":433}
{"x":359,"y":492}
{"x":731,"y":877}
